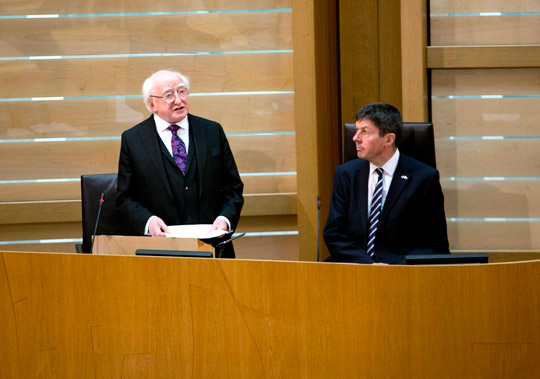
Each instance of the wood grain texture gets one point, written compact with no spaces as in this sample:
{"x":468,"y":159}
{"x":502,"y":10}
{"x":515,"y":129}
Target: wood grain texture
{"x":192,"y":33}
{"x":501,"y":235}
{"x":36,"y":212}
{"x":274,"y":247}
{"x":276,"y":223}
{"x":123,"y":76}
{"x":95,"y":316}
{"x":18,"y":192}
{"x":128,"y":245}
{"x":258,"y":246}
{"x":512,"y":81}
{"x":104,"y":117}
{"x":479,"y":158}
{"x":316,"y":76}
{"x":135,"y":6}
{"x":390,"y":52}
{"x":486,"y":117}
{"x":477,"y":198}
{"x":479,"y":30}
{"x":465,"y":6}
{"x":41,"y":231}
{"x":359,"y":56}
{"x":71,"y":159}
{"x":483,"y":56}
{"x":279,"y":248}
{"x":31,"y":212}
{"x":270,"y":204}
{"x":414,"y":40}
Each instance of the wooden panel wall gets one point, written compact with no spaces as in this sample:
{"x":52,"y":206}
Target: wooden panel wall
{"x":80,"y":316}
{"x":485,"y":108}
{"x":370,"y":54}
{"x":70,"y":84}
{"x":316,"y":75}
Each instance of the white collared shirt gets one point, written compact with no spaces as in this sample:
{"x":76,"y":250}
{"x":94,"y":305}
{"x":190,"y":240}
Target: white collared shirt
{"x":165,"y":134}
{"x":162,"y":128}
{"x":389,"y":168}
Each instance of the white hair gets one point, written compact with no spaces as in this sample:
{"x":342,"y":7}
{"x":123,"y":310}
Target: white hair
{"x":149,"y":84}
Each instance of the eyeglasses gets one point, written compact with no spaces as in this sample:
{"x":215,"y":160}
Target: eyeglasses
{"x":169,"y":97}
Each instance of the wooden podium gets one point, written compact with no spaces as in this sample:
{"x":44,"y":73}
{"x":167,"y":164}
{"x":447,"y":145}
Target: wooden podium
{"x":103,"y":316}
{"x":126,"y":245}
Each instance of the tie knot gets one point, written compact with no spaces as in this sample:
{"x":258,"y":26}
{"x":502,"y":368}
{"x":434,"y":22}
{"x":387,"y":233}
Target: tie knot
{"x":379,"y":171}
{"x":173,"y":128}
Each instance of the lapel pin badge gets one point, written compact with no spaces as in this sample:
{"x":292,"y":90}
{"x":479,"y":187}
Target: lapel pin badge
{"x":404,"y":177}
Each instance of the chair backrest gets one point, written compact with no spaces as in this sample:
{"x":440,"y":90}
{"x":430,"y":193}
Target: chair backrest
{"x":110,"y":223}
{"x":417,"y":141}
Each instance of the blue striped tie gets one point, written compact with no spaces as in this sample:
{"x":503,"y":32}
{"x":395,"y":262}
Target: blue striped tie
{"x":375,"y":212}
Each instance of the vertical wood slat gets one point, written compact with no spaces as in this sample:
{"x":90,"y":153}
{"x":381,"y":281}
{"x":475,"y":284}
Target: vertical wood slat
{"x":316,"y":114}
{"x":370,"y":54}
{"x":414,"y":63}
{"x":359,"y":56}
{"x":390,"y":35}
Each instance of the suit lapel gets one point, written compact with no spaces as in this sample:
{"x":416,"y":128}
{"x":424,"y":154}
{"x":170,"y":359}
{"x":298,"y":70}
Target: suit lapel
{"x":198,"y":132}
{"x":361,"y":197}
{"x":399,"y":182}
{"x":150,"y":142}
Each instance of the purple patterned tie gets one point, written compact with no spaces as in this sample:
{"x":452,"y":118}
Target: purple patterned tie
{"x":178,"y":149}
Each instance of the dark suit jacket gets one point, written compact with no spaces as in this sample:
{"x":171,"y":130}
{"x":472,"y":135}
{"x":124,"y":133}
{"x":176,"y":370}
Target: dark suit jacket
{"x":143,"y":186}
{"x":412,"y":219}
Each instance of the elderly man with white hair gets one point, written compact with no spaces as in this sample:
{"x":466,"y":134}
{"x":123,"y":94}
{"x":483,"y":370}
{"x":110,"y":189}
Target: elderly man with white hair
{"x":176,"y":168}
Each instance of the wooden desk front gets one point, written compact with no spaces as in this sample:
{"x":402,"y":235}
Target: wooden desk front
{"x":134,"y":317}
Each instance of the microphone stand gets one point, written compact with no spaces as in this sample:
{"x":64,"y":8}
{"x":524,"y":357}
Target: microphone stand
{"x":219,"y":246}
{"x":101,"y":201}
{"x":318,"y":223}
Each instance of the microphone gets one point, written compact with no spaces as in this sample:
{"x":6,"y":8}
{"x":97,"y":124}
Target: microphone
{"x":318,"y":223}
{"x":219,"y":246}
{"x":101,"y":201}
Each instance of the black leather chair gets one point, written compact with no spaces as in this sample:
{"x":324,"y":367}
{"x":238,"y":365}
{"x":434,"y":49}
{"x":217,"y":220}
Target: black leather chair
{"x":110,"y":223}
{"x":417,"y":141}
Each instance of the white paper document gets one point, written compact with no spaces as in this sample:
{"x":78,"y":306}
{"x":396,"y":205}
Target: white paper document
{"x":200,"y":231}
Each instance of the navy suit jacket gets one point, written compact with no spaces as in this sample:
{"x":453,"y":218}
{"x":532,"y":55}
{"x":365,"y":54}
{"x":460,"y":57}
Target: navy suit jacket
{"x":143,"y":187}
{"x":412,"y":219}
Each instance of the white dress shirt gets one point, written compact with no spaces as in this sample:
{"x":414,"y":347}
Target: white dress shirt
{"x":389,"y":168}
{"x":165,"y":134}
{"x":162,"y":128}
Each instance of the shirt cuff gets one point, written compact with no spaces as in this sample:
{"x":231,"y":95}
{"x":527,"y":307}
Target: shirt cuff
{"x":227,"y":221}
{"x":146,"y":232}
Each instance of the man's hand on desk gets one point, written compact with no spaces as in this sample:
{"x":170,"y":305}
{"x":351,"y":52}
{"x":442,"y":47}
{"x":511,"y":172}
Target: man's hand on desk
{"x":157,"y":227}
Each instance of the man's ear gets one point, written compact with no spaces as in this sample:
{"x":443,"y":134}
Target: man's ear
{"x":151,"y":103}
{"x":390,"y":138}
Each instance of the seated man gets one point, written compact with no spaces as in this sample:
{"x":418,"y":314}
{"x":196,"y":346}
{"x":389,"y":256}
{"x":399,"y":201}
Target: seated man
{"x":385,"y":205}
